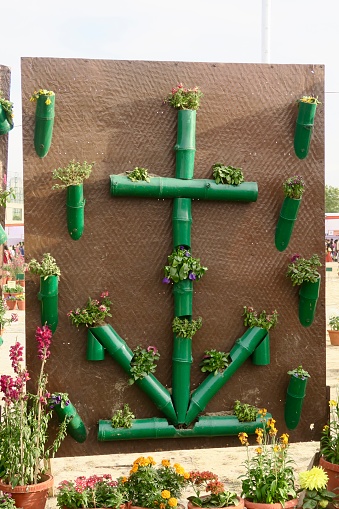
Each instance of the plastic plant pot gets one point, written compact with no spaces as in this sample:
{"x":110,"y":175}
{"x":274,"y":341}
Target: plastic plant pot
{"x":94,"y":350}
{"x":75,"y":427}
{"x":308,"y":298}
{"x":285,"y":225}
{"x":261,"y":355}
{"x":183,"y":296}
{"x":48,"y":296}
{"x":181,"y":375}
{"x":3,"y":235}
{"x":44,"y":122}
{"x":185,"y":146}
{"x":304,"y":128}
{"x":75,"y":211}
{"x":296,"y":392}
{"x":182,"y":222}
{"x":5,"y":125}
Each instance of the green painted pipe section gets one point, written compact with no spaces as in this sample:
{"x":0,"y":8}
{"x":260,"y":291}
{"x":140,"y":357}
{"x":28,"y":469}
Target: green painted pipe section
{"x":48,"y":296}
{"x":285,"y":225}
{"x":75,"y":211}
{"x":3,"y":235}
{"x":181,"y":375}
{"x":118,"y":349}
{"x":44,"y":122}
{"x":303,"y":130}
{"x":308,"y":298}
{"x":183,"y":297}
{"x":75,"y":426}
{"x":262,"y":354}
{"x":185,"y":145}
{"x":242,"y":349}
{"x":182,"y":222}
{"x":5,"y":124}
{"x":166,"y":187}
{"x":296,"y":392}
{"x":94,"y":350}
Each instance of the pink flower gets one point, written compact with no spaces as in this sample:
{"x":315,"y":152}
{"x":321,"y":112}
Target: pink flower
{"x":102,"y":308}
{"x":152,"y":349}
{"x":104,"y":294}
{"x":43,"y":336}
{"x":14,"y":317}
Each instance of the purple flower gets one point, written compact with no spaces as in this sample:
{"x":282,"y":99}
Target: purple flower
{"x":166,"y":280}
{"x":182,"y":248}
{"x":295,"y":257}
{"x":192,"y":276}
{"x":188,"y":254}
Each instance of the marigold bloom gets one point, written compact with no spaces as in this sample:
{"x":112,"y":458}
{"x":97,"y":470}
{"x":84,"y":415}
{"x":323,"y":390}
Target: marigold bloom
{"x":165,"y":494}
{"x":314,"y":479}
{"x":173,"y":502}
{"x":243,"y":438}
{"x":166,"y":463}
{"x":187,"y":475}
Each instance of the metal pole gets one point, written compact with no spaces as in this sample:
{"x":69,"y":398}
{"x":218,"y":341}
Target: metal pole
{"x":265,"y":31}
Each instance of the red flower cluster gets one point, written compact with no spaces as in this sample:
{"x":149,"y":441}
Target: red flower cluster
{"x":43,"y":336}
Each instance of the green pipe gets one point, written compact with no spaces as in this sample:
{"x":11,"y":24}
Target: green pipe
{"x":159,"y":428}
{"x":296,"y":393}
{"x":5,"y":124}
{"x":118,"y":349}
{"x":181,"y":375}
{"x":261,"y":355}
{"x":166,"y":187}
{"x":75,"y":211}
{"x":94,"y":351}
{"x":3,"y":235}
{"x":48,"y":296}
{"x":182,"y":222}
{"x":75,"y":426}
{"x":183,"y":296}
{"x":242,"y":349}
{"x":44,"y":121}
{"x":304,"y":127}
{"x":285,"y":225}
{"x":308,"y":298}
{"x":185,"y":146}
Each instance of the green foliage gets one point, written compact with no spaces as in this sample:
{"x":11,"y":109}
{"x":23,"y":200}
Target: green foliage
{"x":47,"y":267}
{"x":214,"y":361}
{"x":329,"y":442}
{"x":309,"y":99}
{"x":14,"y":289}
{"x":7,"y":502}
{"x":138,"y":174}
{"x":143,"y":362}
{"x":245,"y":412}
{"x":302,"y":270}
{"x":334,"y":322}
{"x":263,"y":320}
{"x":184,"y":328}
{"x":182,"y":265}
{"x":3,"y":309}
{"x":331,"y":199}
{"x":313,"y":484}
{"x":37,"y":93}
{"x":227,"y":174}
{"x":299,"y":372}
{"x":7,"y":106}
{"x":73,"y":174}
{"x":93,"y":313}
{"x":215,"y":493}
{"x":94,"y":491}
{"x":182,"y":98}
{"x":123,"y":418}
{"x":294,"y":187}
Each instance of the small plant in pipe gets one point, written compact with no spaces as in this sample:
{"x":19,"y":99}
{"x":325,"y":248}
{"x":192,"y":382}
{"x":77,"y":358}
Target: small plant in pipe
{"x":94,"y":313}
{"x":227,"y":174}
{"x":262,"y":320}
{"x":184,"y":328}
{"x":44,"y":120}
{"x":307,"y":106}
{"x":309,"y":99}
{"x":47,"y":267}
{"x":6,"y":115}
{"x":182,"y":265}
{"x":245,"y":412}
{"x":214,"y":361}
{"x":299,"y":372}
{"x":58,"y":398}
{"x":138,"y":174}
{"x":73,"y":174}
{"x":294,"y":187}
{"x":123,"y":418}
{"x":46,"y":94}
{"x":143,"y":362}
{"x":90,"y":492}
{"x":209,"y":491}
{"x":5,"y":197}
{"x":313,"y":484}
{"x":301,"y":270}
{"x":182,"y":98}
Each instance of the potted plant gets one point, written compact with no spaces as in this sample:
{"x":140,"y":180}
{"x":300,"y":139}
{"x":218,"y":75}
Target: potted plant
{"x":303,"y":272}
{"x":329,"y":445}
{"x":269,"y":477}
{"x":245,"y":412}
{"x":138,"y":174}
{"x":334,"y":330}
{"x":293,"y":189}
{"x":227,"y":174}
{"x":314,"y":494}
{"x":209,"y":491}
{"x":25,"y":421}
{"x":72,"y":178}
{"x":5,"y":196}
{"x":6,"y":115}
{"x":307,"y":106}
{"x":11,"y":302}
{"x":296,"y":392}
{"x":123,"y":418}
{"x":20,"y":301}
{"x":214,"y":362}
{"x":8,"y":290}
{"x":49,"y":273}
{"x":60,"y":403}
{"x":99,"y":491}
{"x":44,"y":120}
{"x":143,"y":363}
{"x":7,"y":501}
{"x":184,"y":328}
{"x":260,"y":324}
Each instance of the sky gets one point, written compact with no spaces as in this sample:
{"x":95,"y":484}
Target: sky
{"x":229,"y":31}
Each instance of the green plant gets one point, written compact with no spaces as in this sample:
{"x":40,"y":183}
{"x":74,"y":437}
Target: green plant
{"x":214,"y":362}
{"x":73,"y":174}
{"x":6,"y":194}
{"x":6,"y":321}
{"x":20,"y":296}
{"x":47,"y":267}
{"x":294,"y":187}
{"x":17,"y":265}
{"x":11,"y":297}
{"x":7,"y":106}
{"x":123,"y":418}
{"x":269,"y":474}
{"x":37,"y":93}
{"x":7,"y":502}
{"x":24,"y":429}
{"x":309,"y":99}
{"x":329,"y":442}
{"x":334,"y":322}
{"x":227,"y":174}
{"x":217,"y":495}
{"x":94,"y":312}
{"x":184,"y":328}
{"x":143,"y":362}
{"x":12,"y":289}
{"x":263,"y":320}
{"x":301,"y":270}
{"x":93,"y":491}
{"x":245,"y":412}
{"x":138,"y":174}
{"x":58,"y":398}
{"x":313,"y":483}
{"x":182,"y":98}
{"x":182,"y":265}
{"x":299,"y":372}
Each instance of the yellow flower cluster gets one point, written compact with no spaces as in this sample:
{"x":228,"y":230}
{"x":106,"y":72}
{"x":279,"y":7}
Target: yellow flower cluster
{"x":37,"y":93}
{"x":142,"y":462}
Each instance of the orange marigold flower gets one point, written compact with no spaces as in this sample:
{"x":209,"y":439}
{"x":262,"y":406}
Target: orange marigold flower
{"x":134,"y":469}
{"x":124,"y":479}
{"x":165,"y":494}
{"x":186,"y":475}
{"x":166,"y":463}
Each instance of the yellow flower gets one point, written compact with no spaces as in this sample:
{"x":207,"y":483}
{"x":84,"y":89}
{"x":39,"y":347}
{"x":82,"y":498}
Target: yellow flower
{"x":284,"y":438}
{"x":173,"y":502}
{"x":180,"y":470}
{"x":258,"y":450}
{"x":124,"y":479}
{"x":259,"y":439}
{"x":314,"y":479}
{"x":48,"y":101}
{"x":166,"y":463}
{"x":150,"y":460}
{"x":271,"y":422}
{"x":273,"y":431}
{"x":243,"y":438}
{"x":332,"y":403}
{"x":276,"y":448}
{"x":134,"y":469}
{"x":325,"y":428}
{"x":263,"y":412}
{"x":186,"y":475}
{"x":259,"y":432}
{"x":165,"y":494}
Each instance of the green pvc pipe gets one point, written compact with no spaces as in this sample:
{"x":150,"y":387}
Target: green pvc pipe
{"x":75,"y":427}
{"x":118,"y":349}
{"x":48,"y":296}
{"x":5,"y":124}
{"x":94,"y":351}
{"x":183,"y":296}
{"x":75,"y":211}
{"x":182,"y":222}
{"x":308,"y":298}
{"x":181,"y":375}
{"x":3,"y":235}
{"x":166,"y":187}
{"x":44,"y":121}
{"x":262,"y":354}
{"x":185,"y":146}
{"x":242,"y":349}
{"x":285,"y":225}
{"x":296,"y":393}
{"x":304,"y":127}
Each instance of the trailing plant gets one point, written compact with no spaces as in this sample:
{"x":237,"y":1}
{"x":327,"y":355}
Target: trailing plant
{"x":299,"y":372}
{"x":184,"y":328}
{"x":329,"y":442}
{"x":214,"y":361}
{"x":263,"y":320}
{"x":73,"y":174}
{"x":143,"y":362}
{"x":245,"y":412}
{"x":313,"y":484}
{"x":94,"y":312}
{"x":6,"y":321}
{"x":47,"y":267}
{"x":138,"y":174}
{"x":182,"y":98}
{"x":7,"y":106}
{"x":123,"y":418}
{"x":182,"y":265}
{"x":90,"y":492}
{"x":214,"y":491}
{"x":301,"y":270}
{"x":227,"y":174}
{"x":294,"y":187}
{"x":6,"y":194}
{"x":37,"y":93}
{"x":309,"y":99}
{"x":334,"y":322}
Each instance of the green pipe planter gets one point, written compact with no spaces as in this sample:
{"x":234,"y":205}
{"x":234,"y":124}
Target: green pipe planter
{"x":48,"y":296}
{"x":75,"y":211}
{"x":44,"y":122}
{"x":304,"y":128}
{"x":5,"y":124}
{"x":182,"y":222}
{"x":3,"y":235}
{"x":75,"y":427}
{"x":262,"y":354}
{"x":181,"y":375}
{"x":308,"y":298}
{"x":285,"y":225}
{"x":242,"y":349}
{"x":296,"y":393}
{"x":183,"y":296}
{"x":94,"y":351}
{"x":166,"y":187}
{"x":185,"y":146}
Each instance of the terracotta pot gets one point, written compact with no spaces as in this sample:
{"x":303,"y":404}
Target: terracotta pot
{"x":21,"y":304}
{"x":240,"y":505}
{"x":11,"y":304}
{"x":332,"y":471}
{"x":289,"y":504}
{"x":334,"y":337}
{"x":32,"y":496}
